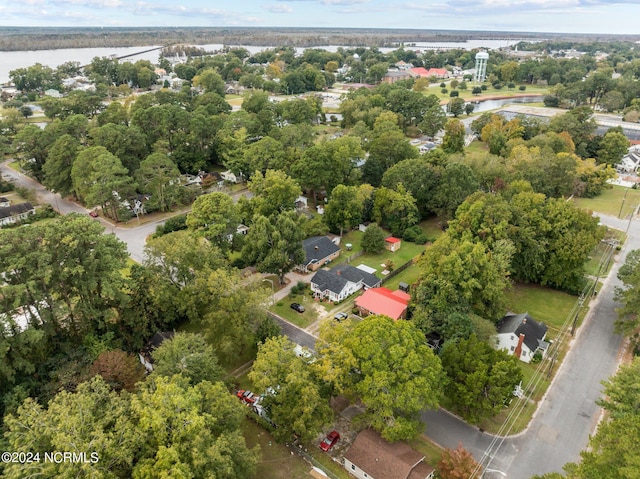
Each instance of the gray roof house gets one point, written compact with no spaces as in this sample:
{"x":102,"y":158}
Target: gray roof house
{"x":15,"y":213}
{"x":522,"y":336}
{"x":319,"y":250}
{"x":342,"y":281}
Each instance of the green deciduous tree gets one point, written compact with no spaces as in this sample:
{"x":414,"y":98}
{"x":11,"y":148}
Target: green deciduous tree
{"x":68,"y":271}
{"x":479,"y":378}
{"x":57,"y":169}
{"x":344,"y":209}
{"x":93,"y":419}
{"x":389,"y":367}
{"x":274,"y":245}
{"x":453,"y":141}
{"x":466,"y":275}
{"x":159,"y":176}
{"x":189,"y":355}
{"x":395,"y":210}
{"x":275,"y":192}
{"x":214,"y":216}
{"x":293,"y":397}
{"x":373,"y":239}
{"x":190,"y":431}
{"x":613,"y":147}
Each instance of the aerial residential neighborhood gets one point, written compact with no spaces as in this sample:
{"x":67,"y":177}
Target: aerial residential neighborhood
{"x":389,"y":258}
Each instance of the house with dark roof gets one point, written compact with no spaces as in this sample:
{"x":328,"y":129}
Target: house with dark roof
{"x":318,"y":250}
{"x":522,"y":336}
{"x":383,"y":301}
{"x":371,"y":457}
{"x":156,"y":340}
{"x":13,"y":214}
{"x":342,"y":281}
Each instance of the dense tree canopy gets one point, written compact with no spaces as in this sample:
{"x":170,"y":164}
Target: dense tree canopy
{"x":389,"y":367}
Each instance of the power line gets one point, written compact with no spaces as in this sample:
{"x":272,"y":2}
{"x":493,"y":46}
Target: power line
{"x":571,"y":318}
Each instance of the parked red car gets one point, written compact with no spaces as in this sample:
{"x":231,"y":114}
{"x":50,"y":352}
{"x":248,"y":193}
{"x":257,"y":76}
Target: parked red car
{"x":328,"y":442}
{"x":246,"y":396}
{"x":93,"y":213}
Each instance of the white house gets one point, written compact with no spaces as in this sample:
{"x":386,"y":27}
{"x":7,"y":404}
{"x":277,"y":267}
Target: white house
{"x":229,"y":176}
{"x":522,"y":336}
{"x":15,"y":213}
{"x":631,"y":161}
{"x":341,"y":281}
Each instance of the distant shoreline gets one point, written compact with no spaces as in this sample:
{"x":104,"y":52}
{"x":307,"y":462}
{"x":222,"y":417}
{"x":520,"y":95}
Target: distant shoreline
{"x":38,"y":38}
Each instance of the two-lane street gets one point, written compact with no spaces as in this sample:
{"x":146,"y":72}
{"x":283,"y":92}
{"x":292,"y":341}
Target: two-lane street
{"x":568,"y":414}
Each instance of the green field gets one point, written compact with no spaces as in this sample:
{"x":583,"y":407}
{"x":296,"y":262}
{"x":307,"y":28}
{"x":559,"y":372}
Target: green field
{"x":543,"y":304}
{"x":276,"y":460}
{"x":612,"y":201}
{"x":435,"y":89}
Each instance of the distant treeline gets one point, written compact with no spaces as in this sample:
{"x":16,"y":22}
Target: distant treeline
{"x":29,"y":38}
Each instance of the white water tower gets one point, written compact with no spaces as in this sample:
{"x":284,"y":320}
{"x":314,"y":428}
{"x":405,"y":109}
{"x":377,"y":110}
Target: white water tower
{"x":481,"y":66}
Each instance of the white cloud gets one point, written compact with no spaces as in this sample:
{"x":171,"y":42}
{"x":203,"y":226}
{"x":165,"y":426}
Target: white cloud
{"x":278,"y":8}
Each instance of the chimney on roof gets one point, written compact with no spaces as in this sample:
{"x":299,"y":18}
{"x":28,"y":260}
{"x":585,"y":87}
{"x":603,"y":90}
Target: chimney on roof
{"x":518,"y":352}
{"x":316,"y":247}
{"x":524,"y":321}
{"x":338,"y":273}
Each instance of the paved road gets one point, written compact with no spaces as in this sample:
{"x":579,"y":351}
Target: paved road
{"x":567,"y":416}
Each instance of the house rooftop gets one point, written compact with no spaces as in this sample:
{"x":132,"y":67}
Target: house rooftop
{"x":318,"y":248}
{"x":383,"y":460}
{"x":384,"y":301}
{"x":336,"y":278}
{"x":518,"y":324}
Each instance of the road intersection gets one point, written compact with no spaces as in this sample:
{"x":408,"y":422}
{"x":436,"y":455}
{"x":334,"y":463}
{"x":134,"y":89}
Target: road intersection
{"x":565,"y":418}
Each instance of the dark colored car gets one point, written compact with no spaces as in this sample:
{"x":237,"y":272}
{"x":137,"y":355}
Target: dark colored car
{"x":328,"y":442}
{"x":246,"y":397}
{"x":341,"y":316}
{"x":298,"y":307}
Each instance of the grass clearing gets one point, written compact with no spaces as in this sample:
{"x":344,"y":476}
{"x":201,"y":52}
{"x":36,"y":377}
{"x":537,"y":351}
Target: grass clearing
{"x":432,"y":228}
{"x":302,"y":320}
{"x":276,"y":461}
{"x":409,"y":276}
{"x":531,"y":90}
{"x":615,"y":201}
{"x":543,"y":304}
{"x":432,"y":452}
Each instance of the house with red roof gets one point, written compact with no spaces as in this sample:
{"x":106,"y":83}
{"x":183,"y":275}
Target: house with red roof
{"x":438,"y":72}
{"x":392,"y":243}
{"x":383,"y":301}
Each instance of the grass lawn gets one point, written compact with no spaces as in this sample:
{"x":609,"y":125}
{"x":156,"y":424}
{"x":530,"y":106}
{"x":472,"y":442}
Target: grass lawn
{"x":409,"y":276}
{"x":15,"y":166}
{"x":611,"y":201}
{"x":477,"y":146}
{"x":432,"y":228}
{"x":431,"y":451}
{"x":592,"y":267}
{"x":434,"y":89}
{"x":302,"y":320}
{"x":404,"y":254}
{"x":276,"y":460}
{"x":543,"y":304}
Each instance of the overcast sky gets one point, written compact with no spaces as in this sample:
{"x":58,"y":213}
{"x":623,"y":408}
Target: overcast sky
{"x":579,"y":16}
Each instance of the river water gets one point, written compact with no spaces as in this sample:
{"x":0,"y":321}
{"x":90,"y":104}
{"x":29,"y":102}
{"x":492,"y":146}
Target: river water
{"x":52,"y":58}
